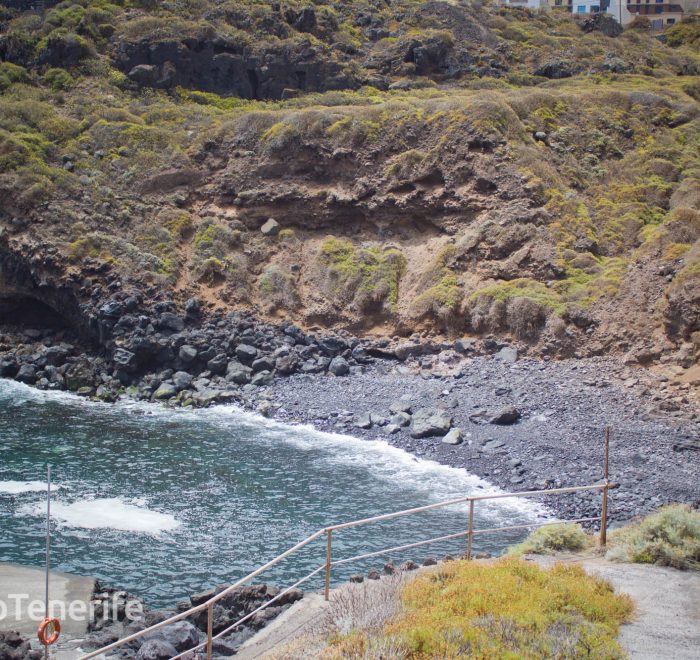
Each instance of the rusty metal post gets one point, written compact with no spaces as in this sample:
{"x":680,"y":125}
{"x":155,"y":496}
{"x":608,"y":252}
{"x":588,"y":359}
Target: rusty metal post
{"x":210,"y":630}
{"x":606,"y":476}
{"x":329,"y":541}
{"x":470,"y":532}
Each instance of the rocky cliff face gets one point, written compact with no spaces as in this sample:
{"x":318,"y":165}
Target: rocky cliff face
{"x":408,"y":170}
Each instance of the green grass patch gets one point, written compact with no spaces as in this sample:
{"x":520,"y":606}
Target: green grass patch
{"x":508,"y":609}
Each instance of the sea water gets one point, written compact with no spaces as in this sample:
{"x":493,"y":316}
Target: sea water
{"x":164,"y":503}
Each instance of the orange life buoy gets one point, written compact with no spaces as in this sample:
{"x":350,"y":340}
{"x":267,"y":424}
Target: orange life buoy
{"x":49,"y":630}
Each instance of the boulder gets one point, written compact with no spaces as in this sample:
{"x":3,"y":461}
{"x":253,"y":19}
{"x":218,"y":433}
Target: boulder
{"x":14,"y":647}
{"x":56,"y":355}
{"x":8,"y":368}
{"x":453,"y":437}
{"x":125,"y":360}
{"x":401,"y":419}
{"x":261,"y":378}
{"x":182,"y":635}
{"x":170,"y":322}
{"x":187,"y":354}
{"x":363,"y":421}
{"x":339,"y":366}
{"x":556,"y":69}
{"x":182,"y":380}
{"x":332,"y":345}
{"x":238,"y":373}
{"x":218,"y":364}
{"x":400,"y":406}
{"x":80,"y":374}
{"x":165,"y":391}
{"x":263,"y":364}
{"x":246,"y":353}
{"x":602,"y":22}
{"x":156,"y":649}
{"x":506,"y":416}
{"x":507,"y":354}
{"x":464,"y":346}
{"x":27,"y":374}
{"x":193,"y":307}
{"x":270,"y":228}
{"x":429,"y":422}
{"x":286,"y":365}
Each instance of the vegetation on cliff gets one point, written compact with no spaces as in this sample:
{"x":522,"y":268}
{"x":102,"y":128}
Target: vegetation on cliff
{"x":477,"y":169}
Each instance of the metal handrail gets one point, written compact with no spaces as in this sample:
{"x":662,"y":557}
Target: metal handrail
{"x":328,"y":531}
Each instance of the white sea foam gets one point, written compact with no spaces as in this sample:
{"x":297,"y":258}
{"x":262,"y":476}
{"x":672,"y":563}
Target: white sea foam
{"x":382,"y":460}
{"x":17,"y":487}
{"x":108,"y":513}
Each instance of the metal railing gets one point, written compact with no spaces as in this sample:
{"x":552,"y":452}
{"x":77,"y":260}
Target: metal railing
{"x":327,"y":567}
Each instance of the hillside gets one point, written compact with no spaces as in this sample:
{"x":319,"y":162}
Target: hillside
{"x":448,"y":169}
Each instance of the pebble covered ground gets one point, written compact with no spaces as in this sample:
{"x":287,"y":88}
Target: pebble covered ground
{"x":557,"y":441}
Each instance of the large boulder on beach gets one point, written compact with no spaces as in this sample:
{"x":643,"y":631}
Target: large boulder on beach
{"x":505,"y":416}
{"x":453,"y":437}
{"x":165,"y":391}
{"x":339,"y":366}
{"x":27,"y":374}
{"x":246,"y":353}
{"x":429,"y":422}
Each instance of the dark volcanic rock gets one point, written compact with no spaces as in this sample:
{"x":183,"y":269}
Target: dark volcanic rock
{"x":505,"y":416}
{"x":556,"y":69}
{"x":602,"y":22}
{"x":227,"y":66}
{"x":27,"y":374}
{"x":156,"y":649}
{"x":14,"y":647}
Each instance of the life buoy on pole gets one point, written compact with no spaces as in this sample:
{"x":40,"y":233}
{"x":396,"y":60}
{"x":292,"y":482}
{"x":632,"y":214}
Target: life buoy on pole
{"x":49,"y":630}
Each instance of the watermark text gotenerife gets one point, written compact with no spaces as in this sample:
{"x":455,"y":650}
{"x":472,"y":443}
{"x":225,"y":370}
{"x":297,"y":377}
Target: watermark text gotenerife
{"x":20,"y":607}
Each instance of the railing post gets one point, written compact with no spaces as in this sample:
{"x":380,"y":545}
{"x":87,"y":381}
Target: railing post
{"x":210,"y":630}
{"x":470,"y":531}
{"x":329,"y":541}
{"x":606,"y":476}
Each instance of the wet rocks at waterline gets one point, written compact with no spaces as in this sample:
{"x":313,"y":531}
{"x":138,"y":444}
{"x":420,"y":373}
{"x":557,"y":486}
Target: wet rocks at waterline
{"x":186,"y":634}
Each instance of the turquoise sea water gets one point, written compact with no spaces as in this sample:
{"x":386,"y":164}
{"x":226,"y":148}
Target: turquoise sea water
{"x":165,"y":503}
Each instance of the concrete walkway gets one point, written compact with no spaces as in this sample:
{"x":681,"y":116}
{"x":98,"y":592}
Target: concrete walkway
{"x":289,"y":625}
{"x":29,"y":584}
{"x":666,"y":623}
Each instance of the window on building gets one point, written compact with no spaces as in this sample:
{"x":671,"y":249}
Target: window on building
{"x":658,"y":10}
{"x":581,"y":9}
{"x":670,"y":21}
{"x":659,"y":2}
{"x":558,"y":3}
{"x":595,"y":9}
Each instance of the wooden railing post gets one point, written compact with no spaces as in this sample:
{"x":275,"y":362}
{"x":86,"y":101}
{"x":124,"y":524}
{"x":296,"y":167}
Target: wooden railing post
{"x":470,"y":531}
{"x":606,"y":476}
{"x":329,"y":541}
{"x":210,"y":629}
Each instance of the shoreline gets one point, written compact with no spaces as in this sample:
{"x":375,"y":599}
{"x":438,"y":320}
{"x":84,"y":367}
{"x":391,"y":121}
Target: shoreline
{"x":554,"y":441}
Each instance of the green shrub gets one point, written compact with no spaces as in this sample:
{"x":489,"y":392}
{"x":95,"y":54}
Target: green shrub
{"x":11,"y":73}
{"x":361,"y":277}
{"x":668,"y":537}
{"x":277,"y":289}
{"x":553,"y":538}
{"x":58,"y":79}
{"x":506,"y":610}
